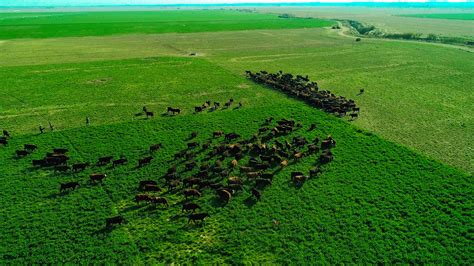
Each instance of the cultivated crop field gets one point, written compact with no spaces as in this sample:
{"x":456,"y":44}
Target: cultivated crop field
{"x":383,"y":199}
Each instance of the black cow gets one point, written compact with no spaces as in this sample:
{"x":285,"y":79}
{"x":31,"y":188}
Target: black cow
{"x":151,"y":187}
{"x":109,"y":222}
{"x":40,"y":163}
{"x":143,"y":183}
{"x":104,"y":160}
{"x":197,"y":217}
{"x":22,"y":153}
{"x":61,"y":168}
{"x":231,"y":136}
{"x":144,"y":161}
{"x":30,"y":147}
{"x":190,"y":206}
{"x":67,"y":186}
{"x":97,"y":177}
{"x":119,"y":162}
{"x":155,"y":147}
{"x":149,"y":114}
{"x":60,"y":150}
{"x":160,"y":200}
{"x":79,"y":167}
{"x":257,"y":194}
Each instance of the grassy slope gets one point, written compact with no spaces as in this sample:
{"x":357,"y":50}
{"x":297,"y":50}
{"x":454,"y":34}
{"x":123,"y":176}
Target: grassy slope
{"x":50,"y":25}
{"x":416,"y":94}
{"x":377,"y":202}
{"x":462,"y":16}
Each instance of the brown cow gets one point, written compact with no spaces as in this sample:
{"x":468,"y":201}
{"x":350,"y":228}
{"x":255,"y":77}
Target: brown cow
{"x":224,"y":195}
{"x":192,"y":192}
{"x":253,"y":174}
{"x":159,"y":200}
{"x":142,"y":197}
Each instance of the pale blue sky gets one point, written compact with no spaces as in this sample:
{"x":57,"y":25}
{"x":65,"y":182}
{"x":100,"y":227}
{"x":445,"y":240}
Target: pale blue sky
{"x":155,"y":2}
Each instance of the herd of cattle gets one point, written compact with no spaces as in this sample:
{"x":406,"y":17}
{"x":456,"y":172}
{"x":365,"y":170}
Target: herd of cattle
{"x":303,"y":88}
{"x":225,"y":164}
{"x":197,"y":109}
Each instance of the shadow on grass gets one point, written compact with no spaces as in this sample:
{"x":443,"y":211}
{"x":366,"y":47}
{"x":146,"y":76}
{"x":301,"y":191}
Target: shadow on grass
{"x":250,"y":201}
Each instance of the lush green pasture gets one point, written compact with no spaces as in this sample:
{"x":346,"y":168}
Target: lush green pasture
{"x":376,"y":202}
{"x":462,"y":16}
{"x":418,"y":95}
{"x":72,"y":24}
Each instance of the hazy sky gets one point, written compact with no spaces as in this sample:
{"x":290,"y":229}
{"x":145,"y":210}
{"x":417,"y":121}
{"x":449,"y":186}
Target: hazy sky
{"x":148,"y":2}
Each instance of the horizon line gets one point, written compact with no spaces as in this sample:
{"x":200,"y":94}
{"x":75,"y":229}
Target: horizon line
{"x":464,"y":3}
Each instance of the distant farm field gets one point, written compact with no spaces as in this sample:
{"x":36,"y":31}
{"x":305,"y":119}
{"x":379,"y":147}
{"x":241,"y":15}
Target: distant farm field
{"x":393,"y":20}
{"x":416,"y":94}
{"x":399,"y":190}
{"x":462,"y":16}
{"x":70,"y":24}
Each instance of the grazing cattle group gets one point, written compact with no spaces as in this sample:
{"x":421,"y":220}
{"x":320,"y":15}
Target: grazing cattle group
{"x":221,"y":167}
{"x":301,"y":87}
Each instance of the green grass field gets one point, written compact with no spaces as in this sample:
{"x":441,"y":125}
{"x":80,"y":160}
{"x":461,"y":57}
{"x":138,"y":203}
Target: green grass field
{"x":60,"y":24}
{"x":462,"y":16}
{"x":398,"y":191}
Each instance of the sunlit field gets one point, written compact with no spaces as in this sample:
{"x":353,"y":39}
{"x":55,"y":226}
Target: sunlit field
{"x":141,"y":87}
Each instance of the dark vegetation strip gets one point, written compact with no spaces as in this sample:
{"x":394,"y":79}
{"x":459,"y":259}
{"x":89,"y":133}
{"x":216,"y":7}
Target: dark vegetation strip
{"x":364,"y":30}
{"x":302,"y":88}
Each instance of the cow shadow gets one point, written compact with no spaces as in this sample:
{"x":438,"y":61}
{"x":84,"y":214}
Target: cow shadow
{"x":296,"y":186}
{"x":103,"y":231}
{"x":132,"y":208}
{"x":250,"y":201}
{"x":57,"y":195}
{"x":217,"y":203}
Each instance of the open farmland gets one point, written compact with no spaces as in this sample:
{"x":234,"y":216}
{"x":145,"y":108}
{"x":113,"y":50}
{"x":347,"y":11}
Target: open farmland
{"x":383,"y":199}
{"x":394,"y":20}
{"x":417,"y":94}
{"x":61,"y":24}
